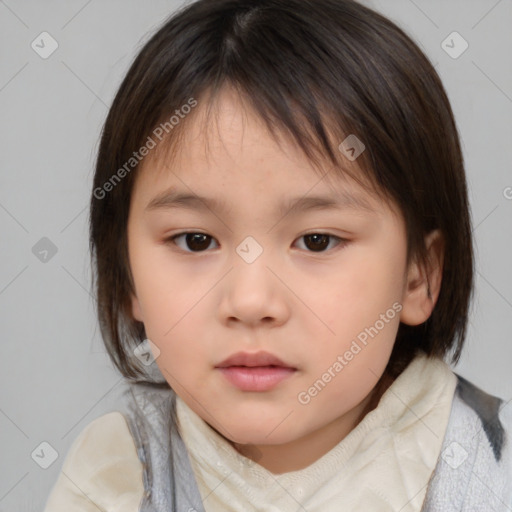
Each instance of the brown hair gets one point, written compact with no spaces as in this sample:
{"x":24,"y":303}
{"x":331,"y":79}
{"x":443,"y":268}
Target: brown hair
{"x":316,"y":70}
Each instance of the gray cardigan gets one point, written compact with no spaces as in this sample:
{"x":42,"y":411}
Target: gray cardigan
{"x":473,"y":473}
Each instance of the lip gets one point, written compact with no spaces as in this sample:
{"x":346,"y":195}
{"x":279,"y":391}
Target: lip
{"x":252,"y":360}
{"x":260,"y":371}
{"x":256,"y":378}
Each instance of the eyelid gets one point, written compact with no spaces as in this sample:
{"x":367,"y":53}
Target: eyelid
{"x":171,"y":240}
{"x":340,"y":241}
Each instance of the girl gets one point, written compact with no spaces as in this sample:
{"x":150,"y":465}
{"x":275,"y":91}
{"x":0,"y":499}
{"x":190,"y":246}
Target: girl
{"x":282,"y":247}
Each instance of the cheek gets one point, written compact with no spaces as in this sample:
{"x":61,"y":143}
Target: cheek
{"x":163,"y":291}
{"x":363,"y":316}
{"x":357,"y":294}
{"x":172,"y":304}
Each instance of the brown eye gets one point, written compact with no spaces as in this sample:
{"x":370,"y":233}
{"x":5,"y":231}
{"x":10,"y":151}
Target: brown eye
{"x":194,"y":242}
{"x":318,"y":242}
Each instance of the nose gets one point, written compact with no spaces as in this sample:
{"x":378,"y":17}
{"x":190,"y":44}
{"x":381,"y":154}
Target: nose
{"x":253,"y":295}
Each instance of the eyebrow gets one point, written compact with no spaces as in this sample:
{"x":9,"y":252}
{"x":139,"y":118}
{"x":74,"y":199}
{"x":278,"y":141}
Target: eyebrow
{"x":173,"y":198}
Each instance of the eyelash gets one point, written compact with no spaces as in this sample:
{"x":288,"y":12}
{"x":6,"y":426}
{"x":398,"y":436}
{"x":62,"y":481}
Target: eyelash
{"x":341,"y":242}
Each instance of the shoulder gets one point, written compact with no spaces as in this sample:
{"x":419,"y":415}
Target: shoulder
{"x":168,"y":476}
{"x":105,"y":436}
{"x":474,"y":470}
{"x":101,"y":469}
{"x":492,"y":416}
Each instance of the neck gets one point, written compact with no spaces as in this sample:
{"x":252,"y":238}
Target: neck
{"x":303,"y":452}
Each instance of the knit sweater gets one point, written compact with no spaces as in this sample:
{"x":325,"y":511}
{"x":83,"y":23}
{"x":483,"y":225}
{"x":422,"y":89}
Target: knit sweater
{"x":384,"y":463}
{"x":138,"y":461}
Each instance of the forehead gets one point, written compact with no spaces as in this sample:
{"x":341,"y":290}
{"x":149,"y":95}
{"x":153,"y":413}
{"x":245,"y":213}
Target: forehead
{"x":224,"y":149}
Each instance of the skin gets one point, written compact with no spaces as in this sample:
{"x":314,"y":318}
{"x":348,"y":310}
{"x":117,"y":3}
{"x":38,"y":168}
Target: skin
{"x":306,"y":307}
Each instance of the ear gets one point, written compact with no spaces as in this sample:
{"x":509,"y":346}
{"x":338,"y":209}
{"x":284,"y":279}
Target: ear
{"x":136,"y":309}
{"x":423,"y":284}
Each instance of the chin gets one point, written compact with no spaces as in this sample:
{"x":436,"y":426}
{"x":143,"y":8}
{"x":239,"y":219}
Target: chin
{"x":261,"y":434}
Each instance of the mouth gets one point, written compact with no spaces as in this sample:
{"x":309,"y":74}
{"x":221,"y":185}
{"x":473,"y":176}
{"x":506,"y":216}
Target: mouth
{"x":254,"y":360}
{"x":256,"y":378}
{"x":261,"y":371}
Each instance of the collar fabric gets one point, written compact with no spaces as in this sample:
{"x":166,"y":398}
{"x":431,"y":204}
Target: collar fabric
{"x":385,"y":463}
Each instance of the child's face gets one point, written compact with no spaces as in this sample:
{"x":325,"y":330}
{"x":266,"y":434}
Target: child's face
{"x":306,"y":307}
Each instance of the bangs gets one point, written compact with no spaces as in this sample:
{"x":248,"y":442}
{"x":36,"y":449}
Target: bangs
{"x":337,"y":80}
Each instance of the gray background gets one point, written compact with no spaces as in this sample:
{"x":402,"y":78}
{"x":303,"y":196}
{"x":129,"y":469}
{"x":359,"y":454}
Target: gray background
{"x":55,"y":376}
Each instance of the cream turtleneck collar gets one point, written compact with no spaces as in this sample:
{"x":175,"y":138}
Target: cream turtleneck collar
{"x":384,"y":463}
